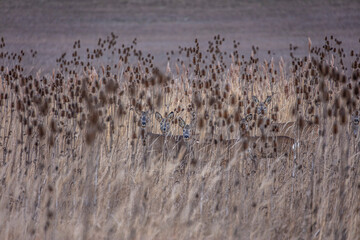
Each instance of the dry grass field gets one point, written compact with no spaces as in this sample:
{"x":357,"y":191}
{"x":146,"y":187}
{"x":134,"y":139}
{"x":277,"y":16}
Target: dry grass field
{"x":79,"y":159}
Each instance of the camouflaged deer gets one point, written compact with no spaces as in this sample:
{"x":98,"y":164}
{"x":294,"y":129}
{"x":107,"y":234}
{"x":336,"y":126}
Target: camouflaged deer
{"x":307,"y":130}
{"x":164,"y":122}
{"x":144,"y":118}
{"x":261,"y":107}
{"x":355,"y":120}
{"x":260,"y":112}
{"x":256,"y":148}
{"x":186,"y":129}
{"x":154,"y":142}
{"x":165,"y":142}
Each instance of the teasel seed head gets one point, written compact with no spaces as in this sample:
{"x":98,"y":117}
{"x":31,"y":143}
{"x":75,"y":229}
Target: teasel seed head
{"x":343,"y":117}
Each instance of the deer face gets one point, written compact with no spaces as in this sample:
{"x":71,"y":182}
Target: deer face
{"x":186,"y":129}
{"x":164,"y":122}
{"x":144,"y":119}
{"x":355,"y":120}
{"x":261,"y":107}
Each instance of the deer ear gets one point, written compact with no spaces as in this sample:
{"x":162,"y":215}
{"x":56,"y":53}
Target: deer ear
{"x":248,"y":117}
{"x":267,"y":100}
{"x":158,"y":117}
{"x":255,"y":99}
{"x":181,"y":122}
{"x":170,"y":116}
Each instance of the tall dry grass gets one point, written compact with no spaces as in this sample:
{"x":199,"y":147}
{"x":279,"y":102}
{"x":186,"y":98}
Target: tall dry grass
{"x":74,"y":163}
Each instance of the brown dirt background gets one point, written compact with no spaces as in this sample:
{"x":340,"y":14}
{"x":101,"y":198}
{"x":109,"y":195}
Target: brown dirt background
{"x":51,"y":27}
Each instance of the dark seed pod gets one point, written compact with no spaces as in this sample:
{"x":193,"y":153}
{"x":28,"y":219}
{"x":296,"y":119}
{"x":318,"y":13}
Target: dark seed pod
{"x":343,"y":117}
{"x":335,"y":129}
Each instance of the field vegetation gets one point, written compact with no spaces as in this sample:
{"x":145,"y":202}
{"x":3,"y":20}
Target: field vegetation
{"x":245,"y":148}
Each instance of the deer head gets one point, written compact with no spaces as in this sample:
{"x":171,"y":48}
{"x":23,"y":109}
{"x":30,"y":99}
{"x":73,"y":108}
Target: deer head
{"x":164,"y":122}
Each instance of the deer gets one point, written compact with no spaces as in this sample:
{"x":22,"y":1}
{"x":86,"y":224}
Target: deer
{"x":255,"y":146}
{"x":155,"y":144}
{"x":355,"y":120}
{"x":261,"y":111}
{"x":302,"y":130}
{"x":160,"y":143}
{"x":354,"y":128}
{"x":165,"y":142}
{"x":164,"y":122}
{"x":297,"y":130}
{"x":261,"y":107}
{"x":259,"y":146}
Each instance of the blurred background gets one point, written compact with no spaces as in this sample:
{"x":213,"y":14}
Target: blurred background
{"x":51,"y":27}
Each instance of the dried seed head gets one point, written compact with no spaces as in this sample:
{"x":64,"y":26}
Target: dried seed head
{"x":90,"y":136}
{"x":316,"y":120}
{"x":111,"y":86}
{"x":212,"y":101}
{"x":325,"y":96}
{"x":159,"y":100}
{"x":29,"y":130}
{"x":53,"y":126}
{"x":41,"y":131}
{"x":237,"y":117}
{"x":201,"y":123}
{"x":355,"y":75}
{"x":329,"y":112}
{"x":233,"y":100}
{"x":221,"y":138}
{"x":93,"y":117}
{"x":227,"y":87}
{"x":226,"y":114}
{"x":345,"y":94}
{"x":103,"y":99}
{"x":51,"y":140}
{"x":301,"y":123}
{"x":231,"y":128}
{"x":343,"y":79}
{"x":356,"y":91}
{"x":335,"y":128}
{"x":343,"y":117}
{"x":44,"y":108}
{"x":197,"y":100}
